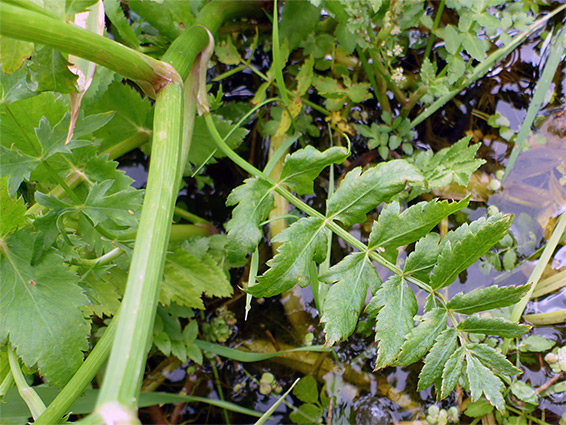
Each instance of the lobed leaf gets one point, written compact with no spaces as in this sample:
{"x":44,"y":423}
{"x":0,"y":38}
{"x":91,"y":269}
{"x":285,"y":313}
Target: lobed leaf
{"x":394,"y":320}
{"x":451,"y":372}
{"x":422,"y":337}
{"x":444,"y":346}
{"x":40,"y":309}
{"x":302,"y":242}
{"x":49,"y":71}
{"x":421,"y":261}
{"x":466,"y":245}
{"x":304,"y":165}
{"x":483,"y":381}
{"x":493,"y":326}
{"x":487,"y":298}
{"x":254,"y":201}
{"x":345,"y":299}
{"x":190,"y":273}
{"x":493,"y":359}
{"x":360,"y":193}
{"x":393,"y":229}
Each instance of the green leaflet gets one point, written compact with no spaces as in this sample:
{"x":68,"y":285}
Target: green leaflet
{"x":119,"y":207}
{"x":39,"y":309}
{"x":421,"y":337}
{"x":451,"y":372}
{"x":255,"y":201}
{"x":486,"y":299}
{"x":493,"y":326}
{"x":116,"y":15}
{"x":49,"y":71}
{"x":444,"y":346}
{"x":304,"y":165}
{"x":12,"y":211}
{"x":13,"y":87}
{"x":360,"y":193}
{"x":393,"y":229}
{"x":13,"y":53}
{"x":421,"y":261}
{"x":456,"y":163}
{"x":394,"y":320}
{"x":345,"y":299}
{"x":464,"y":246}
{"x":191,"y":271}
{"x":493,"y":360}
{"x":302,"y":242}
{"x":483,"y":381}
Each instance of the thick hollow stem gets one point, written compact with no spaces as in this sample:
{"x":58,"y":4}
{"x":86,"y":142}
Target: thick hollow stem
{"x":133,"y":335}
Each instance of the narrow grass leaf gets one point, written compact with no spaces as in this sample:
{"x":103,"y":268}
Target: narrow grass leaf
{"x":466,"y":245}
{"x":451,"y":372}
{"x":444,"y":346}
{"x":393,"y":229}
{"x":360,"y":193}
{"x":304,"y":165}
{"x":302,"y":242}
{"x":483,"y":381}
{"x":394,"y":320}
{"x":254,"y":200}
{"x":493,"y":360}
{"x":345,"y":299}
{"x":422,"y":337}
{"x":484,"y":299}
{"x":493,"y":326}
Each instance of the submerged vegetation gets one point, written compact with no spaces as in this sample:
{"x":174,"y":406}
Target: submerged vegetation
{"x":356,"y":145}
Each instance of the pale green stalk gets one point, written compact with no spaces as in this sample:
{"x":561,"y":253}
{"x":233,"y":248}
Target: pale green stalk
{"x":277,"y":57}
{"x":27,"y":393}
{"x":134,"y":330}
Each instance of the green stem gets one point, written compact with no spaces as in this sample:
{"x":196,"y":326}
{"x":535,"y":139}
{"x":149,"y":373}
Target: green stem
{"x":434,"y":27}
{"x":27,"y":393}
{"x":133,"y":335}
{"x":189,"y":216}
{"x":377,"y":92}
{"x":62,"y":183}
{"x":277,"y":56}
{"x":380,"y":69}
{"x":181,"y":232}
{"x":336,"y":228}
{"x":86,"y":373}
{"x":102,"y":260}
{"x":24,"y":24}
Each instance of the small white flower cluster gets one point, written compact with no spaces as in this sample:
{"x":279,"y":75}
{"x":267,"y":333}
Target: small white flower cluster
{"x":397,"y":75}
{"x":397,"y":51}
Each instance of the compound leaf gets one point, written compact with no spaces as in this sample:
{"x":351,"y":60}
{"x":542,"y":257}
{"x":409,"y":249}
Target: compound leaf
{"x":421,"y":337}
{"x":302,"y":242}
{"x":359,"y":193}
{"x":444,"y":346}
{"x":121,"y":207}
{"x":304,"y":165}
{"x":394,"y":320}
{"x":39,"y":305}
{"x":393,"y":229}
{"x":487,"y":298}
{"x":466,"y":245}
{"x":345,"y":299}
{"x":493,"y":326}
{"x":483,"y":381}
{"x":254,"y":201}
